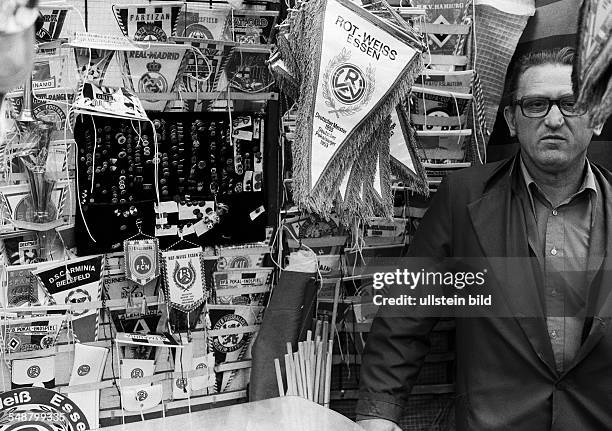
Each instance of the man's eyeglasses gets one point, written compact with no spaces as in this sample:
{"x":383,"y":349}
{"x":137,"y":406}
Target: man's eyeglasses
{"x":539,"y":107}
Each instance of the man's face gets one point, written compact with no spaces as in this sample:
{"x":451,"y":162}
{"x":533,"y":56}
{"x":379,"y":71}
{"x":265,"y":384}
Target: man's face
{"x":554,"y":143}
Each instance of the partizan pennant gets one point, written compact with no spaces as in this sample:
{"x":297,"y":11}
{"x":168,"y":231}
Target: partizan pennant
{"x":148,"y":22}
{"x":363,"y":67}
{"x":183,"y":278}
{"x":141,"y":260}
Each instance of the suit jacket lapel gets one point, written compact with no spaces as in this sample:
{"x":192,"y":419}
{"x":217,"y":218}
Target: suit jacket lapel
{"x":501,"y":231}
{"x":602,"y":308}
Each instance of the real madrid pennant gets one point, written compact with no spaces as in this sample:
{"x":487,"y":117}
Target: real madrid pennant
{"x":183,"y":278}
{"x":141,"y":260}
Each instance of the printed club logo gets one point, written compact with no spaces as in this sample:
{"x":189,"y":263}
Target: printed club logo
{"x":184,"y":276}
{"x":346,"y":88}
{"x":141,"y":395}
{"x":181,"y":383}
{"x":33,"y":371}
{"x":150,"y":33}
{"x":137,"y":373}
{"x":153,"y":81}
{"x":348,"y":84}
{"x":440,"y":39}
{"x":51,"y":113}
{"x":83,"y":370}
{"x":231,"y":342}
{"x":197,"y":31}
{"x":143,"y":265}
{"x":78,"y":296}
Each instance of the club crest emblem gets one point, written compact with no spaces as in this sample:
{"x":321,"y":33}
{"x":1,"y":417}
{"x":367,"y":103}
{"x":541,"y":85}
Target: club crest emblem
{"x":150,"y":33}
{"x":184,"y":276}
{"x":346,"y":87}
{"x":231,"y":342}
{"x":33,"y":371}
{"x":153,"y":81}
{"x":348,"y":83}
{"x":142,"y":395}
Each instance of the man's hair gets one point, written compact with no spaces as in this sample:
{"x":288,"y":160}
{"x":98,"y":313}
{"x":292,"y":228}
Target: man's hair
{"x":563,"y":56}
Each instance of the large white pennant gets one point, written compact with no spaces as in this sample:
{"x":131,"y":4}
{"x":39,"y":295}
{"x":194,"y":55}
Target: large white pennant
{"x":361,"y":63}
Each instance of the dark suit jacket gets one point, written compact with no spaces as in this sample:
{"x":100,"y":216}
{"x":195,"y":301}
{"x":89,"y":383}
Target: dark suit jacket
{"x":506,"y":376}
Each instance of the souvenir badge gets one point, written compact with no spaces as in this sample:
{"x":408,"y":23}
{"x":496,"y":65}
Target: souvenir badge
{"x":141,"y":260}
{"x":183,"y":278}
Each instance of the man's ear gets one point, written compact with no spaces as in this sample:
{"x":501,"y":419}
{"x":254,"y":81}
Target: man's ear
{"x":597,"y":129}
{"x":510,"y":119}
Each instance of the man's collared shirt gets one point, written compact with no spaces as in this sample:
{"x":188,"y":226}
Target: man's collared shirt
{"x":560,"y":237}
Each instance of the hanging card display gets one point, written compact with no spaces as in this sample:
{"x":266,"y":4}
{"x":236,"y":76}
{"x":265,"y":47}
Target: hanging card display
{"x":148,"y":22}
{"x":183,"y":276}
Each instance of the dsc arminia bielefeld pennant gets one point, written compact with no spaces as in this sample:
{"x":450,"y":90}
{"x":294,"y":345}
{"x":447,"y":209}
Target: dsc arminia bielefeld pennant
{"x":141,"y":260}
{"x":363,"y":67}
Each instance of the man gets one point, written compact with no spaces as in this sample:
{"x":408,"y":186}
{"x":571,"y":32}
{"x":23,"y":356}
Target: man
{"x":17,"y":40}
{"x":546,"y":365}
